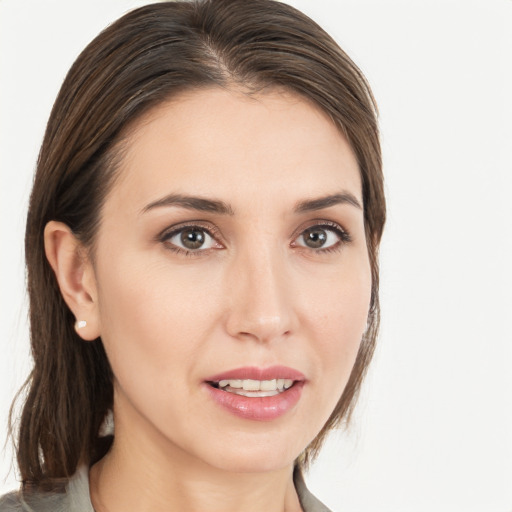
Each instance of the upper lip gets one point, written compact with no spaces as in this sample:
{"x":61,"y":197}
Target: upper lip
{"x":255,"y":373}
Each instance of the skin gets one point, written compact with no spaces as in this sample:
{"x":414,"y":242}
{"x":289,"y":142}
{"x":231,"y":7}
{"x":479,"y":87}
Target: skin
{"x":254,"y":295}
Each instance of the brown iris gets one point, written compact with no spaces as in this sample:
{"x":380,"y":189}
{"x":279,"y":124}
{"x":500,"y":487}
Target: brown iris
{"x":192,"y":238}
{"x":315,"y":237}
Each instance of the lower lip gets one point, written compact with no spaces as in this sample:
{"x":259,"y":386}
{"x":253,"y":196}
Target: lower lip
{"x":258,"y":408}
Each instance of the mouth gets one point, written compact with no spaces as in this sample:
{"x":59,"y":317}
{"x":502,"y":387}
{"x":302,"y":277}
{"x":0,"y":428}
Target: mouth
{"x":257,"y":394}
{"x":253,"y":388}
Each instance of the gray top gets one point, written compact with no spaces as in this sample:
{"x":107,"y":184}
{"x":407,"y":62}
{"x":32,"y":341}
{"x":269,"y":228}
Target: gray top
{"x":77,"y":497}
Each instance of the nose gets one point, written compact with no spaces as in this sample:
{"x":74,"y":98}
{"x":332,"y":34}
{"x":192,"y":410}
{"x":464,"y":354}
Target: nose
{"x":260,"y":297}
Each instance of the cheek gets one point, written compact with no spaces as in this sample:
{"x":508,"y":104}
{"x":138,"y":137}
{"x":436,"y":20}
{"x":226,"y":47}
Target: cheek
{"x":338,"y":319}
{"x":152,"y":320}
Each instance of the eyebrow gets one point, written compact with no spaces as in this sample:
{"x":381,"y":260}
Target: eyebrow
{"x":216,"y":206}
{"x":327,"y":201}
{"x":191,"y":203}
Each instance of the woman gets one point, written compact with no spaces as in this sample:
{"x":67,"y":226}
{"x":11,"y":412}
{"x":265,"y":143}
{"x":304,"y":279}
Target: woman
{"x":201,"y":249}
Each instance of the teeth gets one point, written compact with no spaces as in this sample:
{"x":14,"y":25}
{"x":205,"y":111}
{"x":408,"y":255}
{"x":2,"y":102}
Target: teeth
{"x":251,"y":385}
{"x":254,"y":394}
{"x":257,"y":385}
{"x":268,"y":385}
{"x":231,"y":383}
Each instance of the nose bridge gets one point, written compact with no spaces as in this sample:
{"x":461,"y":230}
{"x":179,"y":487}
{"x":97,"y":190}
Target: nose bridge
{"x":261,"y":301}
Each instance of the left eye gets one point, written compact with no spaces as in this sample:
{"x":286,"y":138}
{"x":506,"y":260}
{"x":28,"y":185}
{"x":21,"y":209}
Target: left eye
{"x":319,"y":237}
{"x":192,"y":239}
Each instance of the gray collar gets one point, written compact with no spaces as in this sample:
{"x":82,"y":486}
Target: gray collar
{"x":77,"y":497}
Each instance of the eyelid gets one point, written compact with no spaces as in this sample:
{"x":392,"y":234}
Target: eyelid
{"x":322,"y":223}
{"x":215,"y":233}
{"x":205,"y":226}
{"x":343,"y":233}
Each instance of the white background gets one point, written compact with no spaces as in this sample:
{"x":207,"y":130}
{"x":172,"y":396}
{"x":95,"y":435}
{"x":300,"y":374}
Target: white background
{"x":433,"y":429}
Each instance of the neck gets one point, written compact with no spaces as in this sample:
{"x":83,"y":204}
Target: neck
{"x":150,"y":474}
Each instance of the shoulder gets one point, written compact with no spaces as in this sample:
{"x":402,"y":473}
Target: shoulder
{"x":32,"y":502}
{"x":10,"y":502}
{"x":75,"y":498}
{"x":309,"y":503}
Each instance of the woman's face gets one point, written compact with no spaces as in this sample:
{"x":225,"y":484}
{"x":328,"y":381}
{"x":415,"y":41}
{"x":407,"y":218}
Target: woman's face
{"x":230,"y":264}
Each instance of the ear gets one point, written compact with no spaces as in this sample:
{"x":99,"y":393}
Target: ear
{"x":75,"y":276}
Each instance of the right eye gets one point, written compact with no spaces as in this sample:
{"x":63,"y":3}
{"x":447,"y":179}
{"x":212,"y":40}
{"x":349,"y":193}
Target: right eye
{"x":191,"y":239}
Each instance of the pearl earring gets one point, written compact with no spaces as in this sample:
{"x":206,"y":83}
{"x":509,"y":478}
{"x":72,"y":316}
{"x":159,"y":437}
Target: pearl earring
{"x":80,"y":324}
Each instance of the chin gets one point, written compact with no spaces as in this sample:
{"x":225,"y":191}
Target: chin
{"x":255,"y":453}
{"x":261,"y":462}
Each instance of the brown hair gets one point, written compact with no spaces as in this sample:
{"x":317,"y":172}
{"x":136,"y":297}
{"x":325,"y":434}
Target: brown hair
{"x":141,"y":60}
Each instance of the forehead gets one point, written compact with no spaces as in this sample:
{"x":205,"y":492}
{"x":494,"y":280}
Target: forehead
{"x":218,"y":142}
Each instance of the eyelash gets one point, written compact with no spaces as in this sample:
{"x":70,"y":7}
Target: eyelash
{"x":343,"y":234}
{"x":175,"y":230}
